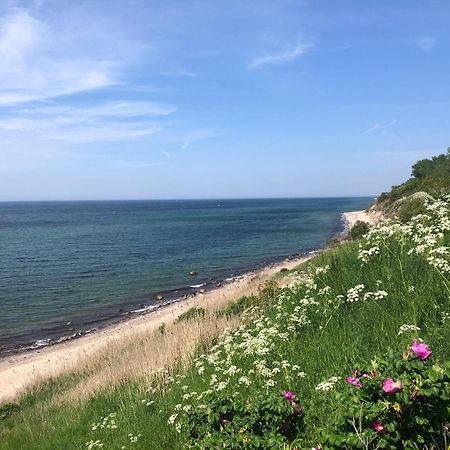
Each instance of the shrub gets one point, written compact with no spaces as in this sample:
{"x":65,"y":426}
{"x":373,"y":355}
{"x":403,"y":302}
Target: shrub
{"x":401,"y":402}
{"x":192,"y":313}
{"x":8,"y":409}
{"x":410,"y":208}
{"x":238,"y":307}
{"x":265,"y":420}
{"x":269,"y":292}
{"x":358,"y":230}
{"x":334,"y":241}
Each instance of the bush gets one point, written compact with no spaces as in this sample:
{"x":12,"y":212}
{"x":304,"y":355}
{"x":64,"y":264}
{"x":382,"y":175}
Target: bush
{"x":266,"y":420}
{"x":401,"y":402}
{"x":358,"y":230}
{"x":410,"y":208}
{"x":238,"y":307}
{"x":8,"y":409}
{"x":192,"y":313}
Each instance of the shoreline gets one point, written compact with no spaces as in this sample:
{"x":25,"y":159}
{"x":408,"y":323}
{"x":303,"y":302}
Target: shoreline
{"x":83,"y":325}
{"x":21,"y":370}
{"x":351,"y":217}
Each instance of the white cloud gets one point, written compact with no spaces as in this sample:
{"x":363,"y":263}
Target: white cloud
{"x":283,"y":56}
{"x":34,"y":62}
{"x":425,"y":43}
{"x":108,"y":109}
{"x":380,"y":126}
{"x":102,"y":133}
{"x":102,"y":122}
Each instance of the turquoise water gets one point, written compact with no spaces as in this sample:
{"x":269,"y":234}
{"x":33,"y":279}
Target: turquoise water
{"x":69,"y":266}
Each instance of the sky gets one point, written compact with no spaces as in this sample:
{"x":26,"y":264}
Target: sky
{"x":144,"y":99}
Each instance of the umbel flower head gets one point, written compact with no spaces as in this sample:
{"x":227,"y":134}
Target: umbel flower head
{"x":391,"y":387}
{"x":421,"y":350}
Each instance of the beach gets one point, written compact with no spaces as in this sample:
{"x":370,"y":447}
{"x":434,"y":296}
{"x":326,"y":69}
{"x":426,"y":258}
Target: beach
{"x":351,"y":217}
{"x":20,"y":371}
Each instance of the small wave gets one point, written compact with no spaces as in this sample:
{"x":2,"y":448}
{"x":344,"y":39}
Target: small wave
{"x":195,"y":286}
{"x":41,"y":343}
{"x":146,"y":309}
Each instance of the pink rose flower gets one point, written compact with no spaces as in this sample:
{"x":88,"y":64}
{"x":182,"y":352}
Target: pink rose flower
{"x":378,"y":427}
{"x":391,"y":387}
{"x":422,"y":351}
{"x":354,"y":380}
{"x":299,"y":411}
{"x":289,"y":395}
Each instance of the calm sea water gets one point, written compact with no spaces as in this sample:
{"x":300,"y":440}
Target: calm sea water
{"x":72,"y":265}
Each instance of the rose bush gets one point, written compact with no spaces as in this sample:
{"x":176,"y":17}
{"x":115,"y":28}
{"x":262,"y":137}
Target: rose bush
{"x":401,"y":402}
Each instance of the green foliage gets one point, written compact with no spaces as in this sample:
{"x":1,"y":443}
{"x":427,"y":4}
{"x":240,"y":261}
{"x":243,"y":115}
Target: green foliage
{"x":413,"y":415}
{"x":334,"y":241}
{"x":8,"y":409}
{"x":358,"y":230}
{"x":192,"y":313}
{"x":429,"y":175}
{"x":239,"y":306}
{"x":411,"y":207}
{"x":268,"y":293}
{"x":436,"y":166}
{"x":265,"y":420}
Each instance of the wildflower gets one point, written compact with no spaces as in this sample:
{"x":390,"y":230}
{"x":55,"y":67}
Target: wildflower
{"x":407,"y":328}
{"x":378,"y":427}
{"x":354,"y":380}
{"x":328,"y":384}
{"x":288,"y":395}
{"x":422,"y":351}
{"x":397,"y":407}
{"x":391,"y":387}
{"x":299,"y":411}
{"x":353,"y":293}
{"x":172,"y":419}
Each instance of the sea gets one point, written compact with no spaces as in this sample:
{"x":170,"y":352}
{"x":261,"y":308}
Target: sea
{"x":69,"y":268}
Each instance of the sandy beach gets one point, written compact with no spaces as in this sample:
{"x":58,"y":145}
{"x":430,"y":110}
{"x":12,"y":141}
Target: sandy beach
{"x":22,"y":370}
{"x":351,"y":217}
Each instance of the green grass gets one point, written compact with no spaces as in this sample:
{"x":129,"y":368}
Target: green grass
{"x":332,"y":344}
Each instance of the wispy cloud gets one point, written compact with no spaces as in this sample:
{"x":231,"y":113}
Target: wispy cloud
{"x":108,"y":109}
{"x":34,"y":65}
{"x":425,"y":43}
{"x":380,"y":126}
{"x":105,"y":122}
{"x":177,"y":72}
{"x":282,"y":56}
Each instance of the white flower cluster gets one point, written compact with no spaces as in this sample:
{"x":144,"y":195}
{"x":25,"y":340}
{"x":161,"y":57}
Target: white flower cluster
{"x":328,"y":384}
{"x":407,"y":329}
{"x":377,"y":295}
{"x":425,"y":232}
{"x":94,"y":444}
{"x":248,"y":356}
{"x":105,"y":422}
{"x":354,"y":293}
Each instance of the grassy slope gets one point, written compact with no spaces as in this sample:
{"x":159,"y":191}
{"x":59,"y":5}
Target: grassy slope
{"x":332,"y":344}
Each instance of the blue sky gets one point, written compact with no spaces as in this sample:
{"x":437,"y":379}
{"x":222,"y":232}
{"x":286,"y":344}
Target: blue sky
{"x":137,"y":99}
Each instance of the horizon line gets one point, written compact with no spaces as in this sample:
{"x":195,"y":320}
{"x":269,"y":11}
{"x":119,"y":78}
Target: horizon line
{"x":187,"y":199}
